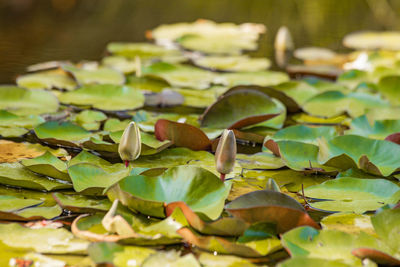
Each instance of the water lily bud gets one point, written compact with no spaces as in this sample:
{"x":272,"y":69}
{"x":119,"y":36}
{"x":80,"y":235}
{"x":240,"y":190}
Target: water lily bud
{"x":130,"y":145}
{"x":226,"y":153}
{"x":283,"y":45}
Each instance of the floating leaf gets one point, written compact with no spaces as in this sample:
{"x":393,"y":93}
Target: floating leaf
{"x":178,"y":75}
{"x":81,"y":203}
{"x":348,"y":222}
{"x":377,"y":157}
{"x":200,"y":189}
{"x":261,"y":78}
{"x":22,"y":101}
{"x":59,"y":241}
{"x":99,"y":75}
{"x":260,"y":161}
{"x":272,"y":207}
{"x":233,"y":63}
{"x":181,"y":134}
{"x":378,"y":130}
{"x":326,"y":244}
{"x":145,"y":51}
{"x":47,"y":80}
{"x":170,"y":258}
{"x":49,"y":165}
{"x":15,"y":174}
{"x":239,"y":109}
{"x":353,"y":194}
{"x":62,"y":133}
{"x":105,"y":97}
{"x":388,"y":86}
{"x":333,"y":103}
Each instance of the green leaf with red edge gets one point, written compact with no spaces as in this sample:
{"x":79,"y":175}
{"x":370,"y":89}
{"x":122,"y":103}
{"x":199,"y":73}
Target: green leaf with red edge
{"x":239,"y":109}
{"x":272,"y":207}
{"x":182,"y":134}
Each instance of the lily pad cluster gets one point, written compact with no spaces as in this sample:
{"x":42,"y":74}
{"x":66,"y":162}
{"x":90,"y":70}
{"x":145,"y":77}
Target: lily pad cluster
{"x":315,"y":180}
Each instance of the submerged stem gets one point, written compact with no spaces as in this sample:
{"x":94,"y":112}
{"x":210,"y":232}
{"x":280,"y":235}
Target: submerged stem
{"x":222,"y":176}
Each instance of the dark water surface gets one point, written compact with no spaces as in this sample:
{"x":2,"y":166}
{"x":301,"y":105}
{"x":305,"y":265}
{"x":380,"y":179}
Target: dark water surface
{"x":33,"y":31}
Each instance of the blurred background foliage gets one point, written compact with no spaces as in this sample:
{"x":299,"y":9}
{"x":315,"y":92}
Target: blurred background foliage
{"x":34,"y":31}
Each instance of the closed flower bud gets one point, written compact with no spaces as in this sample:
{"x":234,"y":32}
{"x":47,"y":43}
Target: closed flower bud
{"x":130,"y":144}
{"x":226,"y":153}
{"x":283,"y":45}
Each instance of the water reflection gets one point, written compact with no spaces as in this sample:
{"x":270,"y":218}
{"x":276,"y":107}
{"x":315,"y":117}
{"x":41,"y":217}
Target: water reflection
{"x":32,"y":31}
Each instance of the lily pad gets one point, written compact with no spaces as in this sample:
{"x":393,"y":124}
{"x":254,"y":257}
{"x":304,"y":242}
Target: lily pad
{"x":326,"y":244}
{"x":48,"y":165}
{"x":271,"y":207}
{"x":145,"y":51}
{"x":377,"y":157}
{"x":8,"y":119}
{"x":62,"y":133}
{"x":233,"y":63}
{"x":388,"y":86}
{"x":105,"y":96}
{"x":181,"y":134}
{"x":60,"y":241}
{"x":378,"y":130}
{"x":180,"y":75}
{"x":99,"y":75}
{"x":14,"y":174}
{"x":239,"y":109}
{"x":333,"y":103}
{"x":261,"y":78}
{"x":349,"y":222}
{"x":81,"y":203}
{"x":356,"y":195}
{"x":200,"y":189}
{"x":22,"y":101}
{"x":47,"y":80}
{"x":260,"y":161}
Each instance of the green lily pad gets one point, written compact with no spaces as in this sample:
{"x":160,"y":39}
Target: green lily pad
{"x":81,"y":203}
{"x":93,"y":178}
{"x":312,"y":262}
{"x":377,"y":157}
{"x":62,"y":241}
{"x":112,"y":253}
{"x":12,"y":132}
{"x":170,"y":258}
{"x":145,"y":51}
{"x":105,"y":97}
{"x":99,"y":75}
{"x":47,"y":80}
{"x":22,"y":101}
{"x":260,"y":161}
{"x":62,"y":133}
{"x":356,"y":195}
{"x":233,"y":63}
{"x":210,"y":37}
{"x":8,"y":119}
{"x":273,"y":207}
{"x":326,"y":244}
{"x":239,"y":109}
{"x":299,"y":133}
{"x":200,"y":189}
{"x":14,"y":174}
{"x":301,"y":156}
{"x":333,"y":103}
{"x":388,"y":86}
{"x":348,"y":222}
{"x":180,"y":75}
{"x":49,"y":165}
{"x":386,"y":226}
{"x":378,"y":130}
{"x":90,"y":119}
{"x":121,"y":64}
{"x":210,"y":260}
{"x":261,"y":78}
{"x":200,"y":98}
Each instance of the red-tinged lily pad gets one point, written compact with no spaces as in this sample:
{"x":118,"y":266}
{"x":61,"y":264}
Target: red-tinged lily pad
{"x":225,"y":246}
{"x":272,"y":207}
{"x":200,"y":189}
{"x":376,"y":256}
{"x":395,"y":138}
{"x":181,"y":134}
{"x":225,"y":226}
{"x":239,"y":109}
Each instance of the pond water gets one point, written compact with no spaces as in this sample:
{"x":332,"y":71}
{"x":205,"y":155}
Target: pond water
{"x":33,"y":31}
